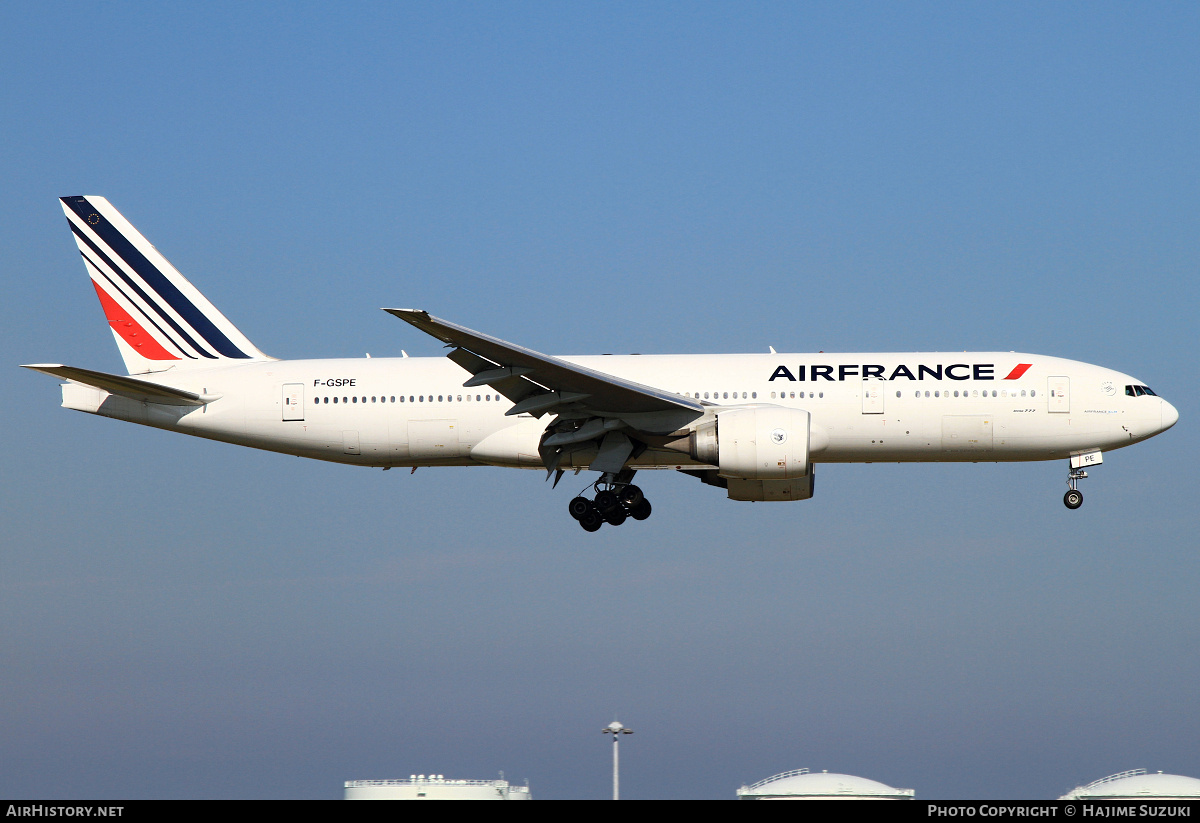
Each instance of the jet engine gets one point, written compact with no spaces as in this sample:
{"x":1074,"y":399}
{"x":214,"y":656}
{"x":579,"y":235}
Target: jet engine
{"x":761,"y":452}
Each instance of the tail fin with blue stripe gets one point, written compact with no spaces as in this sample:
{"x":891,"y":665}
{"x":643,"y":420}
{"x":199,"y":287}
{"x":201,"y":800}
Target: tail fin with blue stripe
{"x":159,"y":319}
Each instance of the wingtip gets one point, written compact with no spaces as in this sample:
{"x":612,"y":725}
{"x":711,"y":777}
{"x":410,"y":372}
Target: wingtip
{"x":409,"y":314}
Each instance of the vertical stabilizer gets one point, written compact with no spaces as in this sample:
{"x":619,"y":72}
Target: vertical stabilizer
{"x":159,"y":319}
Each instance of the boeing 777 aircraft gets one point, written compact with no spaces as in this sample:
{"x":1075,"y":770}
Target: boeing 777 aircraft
{"x":754,"y":425}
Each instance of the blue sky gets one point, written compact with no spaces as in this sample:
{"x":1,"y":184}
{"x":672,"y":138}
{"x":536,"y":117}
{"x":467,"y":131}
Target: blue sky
{"x":181,"y":618}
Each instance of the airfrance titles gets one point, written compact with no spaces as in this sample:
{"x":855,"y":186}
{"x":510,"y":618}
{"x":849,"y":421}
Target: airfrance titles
{"x":875,"y":371}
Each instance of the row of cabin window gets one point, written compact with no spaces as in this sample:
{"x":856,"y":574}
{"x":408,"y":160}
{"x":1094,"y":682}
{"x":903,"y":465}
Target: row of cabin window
{"x":975,"y":393}
{"x":717,"y":395}
{"x":783,"y":395}
{"x":449,"y":398}
{"x":726,"y":395}
{"x":420,"y":398}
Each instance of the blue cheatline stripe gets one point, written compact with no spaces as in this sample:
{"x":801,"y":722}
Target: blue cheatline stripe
{"x":154,"y":278}
{"x":100,"y":270}
{"x":136,"y":289}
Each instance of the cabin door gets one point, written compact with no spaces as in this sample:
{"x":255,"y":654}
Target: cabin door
{"x":1059,"y":391}
{"x":293,"y":401}
{"x":872,"y":395}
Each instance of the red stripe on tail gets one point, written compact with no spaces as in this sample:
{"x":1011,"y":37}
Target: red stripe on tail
{"x":130,"y":330}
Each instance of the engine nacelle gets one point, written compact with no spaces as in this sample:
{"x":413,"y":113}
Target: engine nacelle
{"x":761,"y":442}
{"x":761,"y":452}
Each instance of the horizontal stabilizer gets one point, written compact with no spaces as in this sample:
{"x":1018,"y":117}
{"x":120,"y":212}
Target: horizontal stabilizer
{"x":131,"y":387}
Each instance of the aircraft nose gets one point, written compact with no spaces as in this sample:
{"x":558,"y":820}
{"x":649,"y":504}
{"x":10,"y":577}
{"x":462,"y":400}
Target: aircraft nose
{"x":1169,"y":415}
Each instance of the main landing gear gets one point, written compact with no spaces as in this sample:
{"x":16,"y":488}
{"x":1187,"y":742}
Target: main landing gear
{"x":616,"y":500}
{"x":1073,"y":499}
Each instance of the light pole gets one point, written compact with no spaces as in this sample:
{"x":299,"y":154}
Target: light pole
{"x":616,"y":730}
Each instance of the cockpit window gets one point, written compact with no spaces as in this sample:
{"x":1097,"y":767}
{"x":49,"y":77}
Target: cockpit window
{"x":1138,"y":391}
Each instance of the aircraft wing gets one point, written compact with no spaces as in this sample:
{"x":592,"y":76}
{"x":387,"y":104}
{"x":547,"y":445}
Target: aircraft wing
{"x":590,"y":405}
{"x":131,"y":387}
{"x":547,"y":383}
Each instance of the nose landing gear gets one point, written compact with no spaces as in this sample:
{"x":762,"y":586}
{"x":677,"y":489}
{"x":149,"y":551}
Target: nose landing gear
{"x":1073,"y":499}
{"x":616,"y":500}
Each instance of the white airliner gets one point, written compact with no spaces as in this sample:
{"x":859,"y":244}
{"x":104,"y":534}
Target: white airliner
{"x":755,"y":425}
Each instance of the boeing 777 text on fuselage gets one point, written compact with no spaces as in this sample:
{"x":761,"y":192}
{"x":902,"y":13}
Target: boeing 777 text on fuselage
{"x":755,"y":425}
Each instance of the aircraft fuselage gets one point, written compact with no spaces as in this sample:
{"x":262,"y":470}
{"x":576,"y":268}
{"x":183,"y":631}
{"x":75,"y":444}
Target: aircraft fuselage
{"x":920,"y":407}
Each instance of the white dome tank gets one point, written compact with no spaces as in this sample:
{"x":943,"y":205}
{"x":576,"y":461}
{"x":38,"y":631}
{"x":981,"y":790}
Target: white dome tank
{"x":1138,"y":784}
{"x":434,"y":787}
{"x":801,"y":784}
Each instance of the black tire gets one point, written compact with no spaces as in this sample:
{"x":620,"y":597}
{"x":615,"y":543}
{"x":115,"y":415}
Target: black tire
{"x":641,"y":511}
{"x":616,"y":517}
{"x":1073,"y":499}
{"x":591,"y":521}
{"x":579,"y":507}
{"x":606,"y":501}
{"x":631,"y":496}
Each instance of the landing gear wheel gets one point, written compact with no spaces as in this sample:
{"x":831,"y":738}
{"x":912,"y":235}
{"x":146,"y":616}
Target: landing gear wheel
{"x":1073,"y":499}
{"x":615,"y":500}
{"x":579,"y":507}
{"x":616,"y":517}
{"x":606,"y":501}
{"x":641,"y":511}
{"x":591,"y":521}
{"x":631,"y":496}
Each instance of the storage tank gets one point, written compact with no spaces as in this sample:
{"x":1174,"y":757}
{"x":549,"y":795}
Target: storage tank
{"x":1138,"y":784}
{"x":801,"y":784}
{"x":434,"y":787}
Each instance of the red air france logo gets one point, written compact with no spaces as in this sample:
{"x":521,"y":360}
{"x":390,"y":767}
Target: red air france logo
{"x":1016,"y":373}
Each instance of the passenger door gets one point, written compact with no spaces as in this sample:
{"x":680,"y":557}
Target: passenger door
{"x":1059,"y":391}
